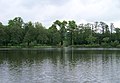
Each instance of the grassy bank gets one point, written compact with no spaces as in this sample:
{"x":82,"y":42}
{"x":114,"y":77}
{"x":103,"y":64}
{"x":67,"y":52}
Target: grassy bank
{"x":58,"y":46}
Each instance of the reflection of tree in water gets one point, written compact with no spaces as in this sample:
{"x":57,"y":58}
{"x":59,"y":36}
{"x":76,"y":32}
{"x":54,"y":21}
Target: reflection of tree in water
{"x":88,"y":56}
{"x":17,"y":57}
{"x":63,"y":63}
{"x":64,"y":56}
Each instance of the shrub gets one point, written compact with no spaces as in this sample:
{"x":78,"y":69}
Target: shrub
{"x":115,"y":43}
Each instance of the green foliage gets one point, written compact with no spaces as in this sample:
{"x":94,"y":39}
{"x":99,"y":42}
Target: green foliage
{"x":16,"y":22}
{"x":30,"y":35}
{"x":53,"y":35}
{"x":91,"y":39}
{"x":3,"y":36}
{"x":62,"y":30}
{"x":62,"y":33}
{"x":115,"y":43}
{"x":15,"y":30}
{"x":41,"y":34}
{"x":106,"y":39}
{"x":71,"y":30}
{"x":16,"y":35}
{"x":104,"y":44}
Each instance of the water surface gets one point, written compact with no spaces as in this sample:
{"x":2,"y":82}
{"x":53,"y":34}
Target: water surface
{"x":60,"y":65}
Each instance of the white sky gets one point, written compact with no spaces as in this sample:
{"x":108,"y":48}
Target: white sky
{"x":47,"y":11}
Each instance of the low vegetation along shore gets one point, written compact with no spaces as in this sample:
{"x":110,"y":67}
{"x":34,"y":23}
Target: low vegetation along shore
{"x":19,"y":34}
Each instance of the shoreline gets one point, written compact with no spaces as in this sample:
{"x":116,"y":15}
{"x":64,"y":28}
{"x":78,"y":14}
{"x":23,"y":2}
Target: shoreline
{"x":59,"y":48}
{"x":74,"y":46}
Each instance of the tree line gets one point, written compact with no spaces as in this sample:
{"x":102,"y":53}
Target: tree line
{"x":60,"y":33}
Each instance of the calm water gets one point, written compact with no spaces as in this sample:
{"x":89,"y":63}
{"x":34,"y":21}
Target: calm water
{"x":62,"y":65}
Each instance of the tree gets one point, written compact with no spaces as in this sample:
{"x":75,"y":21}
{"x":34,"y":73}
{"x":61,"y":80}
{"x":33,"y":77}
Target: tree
{"x":60,"y":33}
{"x":53,"y":35}
{"x":15,"y":30}
{"x":3,"y":35}
{"x":71,"y":29}
{"x":102,"y":24}
{"x":117,"y":34}
{"x":91,"y":39}
{"x":111,"y":27}
{"x":107,"y":32}
{"x":41,"y":33}
{"x":16,"y":22}
{"x":62,"y":30}
{"x":30,"y":35}
{"x":84,"y":32}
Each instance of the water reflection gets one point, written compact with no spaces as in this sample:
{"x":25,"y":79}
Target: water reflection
{"x":62,"y":65}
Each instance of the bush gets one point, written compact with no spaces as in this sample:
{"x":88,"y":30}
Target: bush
{"x":115,"y":43}
{"x":118,"y":46}
{"x":23,"y":44}
{"x":105,"y":45}
{"x":34,"y":43}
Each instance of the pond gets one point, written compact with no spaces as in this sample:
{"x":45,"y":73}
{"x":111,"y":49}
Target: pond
{"x":60,"y":65}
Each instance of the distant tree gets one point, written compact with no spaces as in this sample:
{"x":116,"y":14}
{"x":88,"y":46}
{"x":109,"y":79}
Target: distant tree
{"x":41,"y":33}
{"x":116,"y":35}
{"x":111,"y":27}
{"x":71,"y":29}
{"x":15,"y":30}
{"x":16,"y":22}
{"x":3,"y":35}
{"x":91,"y":39}
{"x":53,"y":35}
{"x":62,"y":30}
{"x":60,"y":33}
{"x":102,"y":24}
{"x":30,"y":35}
{"x":107,"y":32}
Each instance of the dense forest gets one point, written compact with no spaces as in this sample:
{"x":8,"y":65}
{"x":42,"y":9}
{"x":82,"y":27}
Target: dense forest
{"x":60,"y":33}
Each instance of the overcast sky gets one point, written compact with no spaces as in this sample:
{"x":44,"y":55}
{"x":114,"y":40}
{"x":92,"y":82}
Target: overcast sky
{"x":47,"y":11}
